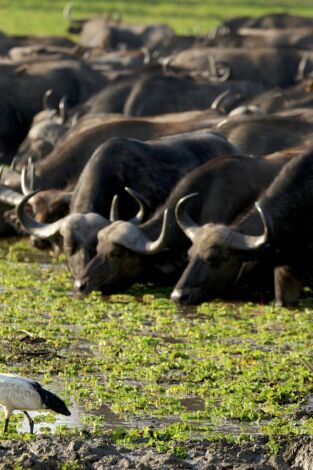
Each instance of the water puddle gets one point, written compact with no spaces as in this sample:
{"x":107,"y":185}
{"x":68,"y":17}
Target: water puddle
{"x":110,"y":420}
{"x":73,"y":421}
{"x":79,"y":420}
{"x":193,"y":403}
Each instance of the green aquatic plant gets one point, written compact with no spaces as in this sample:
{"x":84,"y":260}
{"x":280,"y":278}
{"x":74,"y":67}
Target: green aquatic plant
{"x":221,"y":369}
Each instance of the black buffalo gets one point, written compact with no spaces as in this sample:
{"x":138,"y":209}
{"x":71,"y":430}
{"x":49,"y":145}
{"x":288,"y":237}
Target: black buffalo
{"x":268,"y":66}
{"x":260,"y":135}
{"x":22,"y":87}
{"x":127,"y":253}
{"x":277,"y":231}
{"x":152,"y":168}
{"x":65,"y":163}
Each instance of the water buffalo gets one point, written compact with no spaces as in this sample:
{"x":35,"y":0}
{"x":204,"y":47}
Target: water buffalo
{"x":22,"y":87}
{"x":8,"y":198}
{"x":102,"y":34}
{"x":278,"y":230}
{"x":7,"y":43}
{"x":300,"y":38}
{"x":108,"y":32}
{"x":171,"y":93}
{"x":263,"y":134}
{"x":63,"y":166}
{"x":272,"y":20}
{"x":152,"y":168}
{"x":278,"y":99}
{"x":149,"y":91}
{"x":65,"y":163}
{"x":47,"y":128}
{"x":127,"y":253}
{"x":271,"y":67}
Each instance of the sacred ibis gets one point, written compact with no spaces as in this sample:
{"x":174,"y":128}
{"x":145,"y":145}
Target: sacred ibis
{"x":20,"y":393}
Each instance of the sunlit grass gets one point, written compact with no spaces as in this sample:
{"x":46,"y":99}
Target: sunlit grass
{"x":45,"y":17}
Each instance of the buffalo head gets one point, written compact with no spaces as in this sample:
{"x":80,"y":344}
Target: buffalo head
{"x":123,"y":252}
{"x":216,"y":258}
{"x":75,"y":233}
{"x":47,"y":128}
{"x":8,"y":198}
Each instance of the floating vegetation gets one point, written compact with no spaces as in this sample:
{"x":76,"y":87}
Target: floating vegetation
{"x":147,"y":372}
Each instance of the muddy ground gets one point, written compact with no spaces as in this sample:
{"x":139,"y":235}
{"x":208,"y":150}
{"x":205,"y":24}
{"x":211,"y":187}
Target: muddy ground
{"x":56,"y":452}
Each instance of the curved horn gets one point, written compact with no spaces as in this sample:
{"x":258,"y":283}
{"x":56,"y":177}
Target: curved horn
{"x":63,"y":108}
{"x":117,"y":17}
{"x":246,"y":109}
{"x":212,"y":66}
{"x":9,"y":196}
{"x":114,"y":209}
{"x":146,"y":55}
{"x":219,"y":99}
{"x":212,"y":34}
{"x":138,"y":218}
{"x":45,"y":100}
{"x":33,"y":227}
{"x":226,"y":68}
{"x":24,"y":184}
{"x":31,"y":172}
{"x":244,"y":242}
{"x":13,"y":163}
{"x":67,"y":10}
{"x":300,"y":75}
{"x":165,"y":62}
{"x":214,"y":72}
{"x":185,"y":222}
{"x":131,"y":237}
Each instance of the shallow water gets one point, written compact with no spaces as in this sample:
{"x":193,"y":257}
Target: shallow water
{"x":80,"y":347}
{"x":113,"y":420}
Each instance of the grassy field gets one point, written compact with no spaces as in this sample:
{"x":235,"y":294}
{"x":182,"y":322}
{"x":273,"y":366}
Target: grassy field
{"x":45,"y":16}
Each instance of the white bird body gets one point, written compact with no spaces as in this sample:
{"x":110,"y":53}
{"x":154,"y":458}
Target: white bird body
{"x":20,"y":393}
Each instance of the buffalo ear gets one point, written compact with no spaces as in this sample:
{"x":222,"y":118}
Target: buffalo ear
{"x":165,"y":267}
{"x":69,"y":242}
{"x":70,"y":248}
{"x":60,"y":207}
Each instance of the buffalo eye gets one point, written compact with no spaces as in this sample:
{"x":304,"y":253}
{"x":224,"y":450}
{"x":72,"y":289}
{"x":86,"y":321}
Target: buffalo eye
{"x":118,"y":253}
{"x":215,"y":258}
{"x":214,"y":261}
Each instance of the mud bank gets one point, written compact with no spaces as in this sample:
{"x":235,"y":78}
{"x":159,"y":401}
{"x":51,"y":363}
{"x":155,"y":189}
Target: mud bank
{"x":54,"y":452}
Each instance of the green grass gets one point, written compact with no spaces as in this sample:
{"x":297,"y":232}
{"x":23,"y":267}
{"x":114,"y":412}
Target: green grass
{"x":142,"y":357}
{"x":45,"y":16}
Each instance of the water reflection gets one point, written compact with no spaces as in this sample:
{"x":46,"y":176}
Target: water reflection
{"x":111,"y":420}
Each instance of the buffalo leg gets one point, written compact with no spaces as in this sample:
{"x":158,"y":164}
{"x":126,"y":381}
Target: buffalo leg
{"x":287,"y":286}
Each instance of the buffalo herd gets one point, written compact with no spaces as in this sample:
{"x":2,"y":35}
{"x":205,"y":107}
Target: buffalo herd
{"x":147,"y":156}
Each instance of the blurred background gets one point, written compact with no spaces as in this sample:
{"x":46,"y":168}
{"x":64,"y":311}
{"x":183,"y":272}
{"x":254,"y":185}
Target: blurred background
{"x":185,"y":16}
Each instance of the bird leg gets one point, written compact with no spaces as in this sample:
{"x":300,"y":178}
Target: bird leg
{"x":6,"y":424}
{"x":31,"y":422}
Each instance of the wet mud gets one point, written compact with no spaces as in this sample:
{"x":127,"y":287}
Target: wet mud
{"x":55,"y":452}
